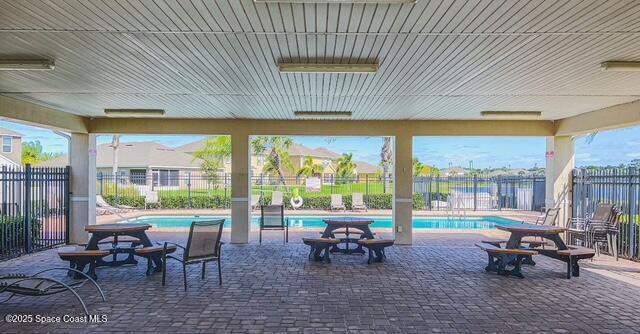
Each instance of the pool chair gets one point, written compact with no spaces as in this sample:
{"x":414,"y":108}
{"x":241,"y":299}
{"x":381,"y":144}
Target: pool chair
{"x":203,"y":245}
{"x":336,"y":202}
{"x":104,"y":208}
{"x":35,"y":286}
{"x":357,"y":202}
{"x":549,"y":218}
{"x":272,"y":218}
{"x":255,"y":202}
{"x":276,"y":198}
{"x":152,"y":198}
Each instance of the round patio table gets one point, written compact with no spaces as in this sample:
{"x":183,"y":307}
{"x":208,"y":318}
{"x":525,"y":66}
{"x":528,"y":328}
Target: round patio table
{"x":103,"y":231}
{"x":346,"y":223}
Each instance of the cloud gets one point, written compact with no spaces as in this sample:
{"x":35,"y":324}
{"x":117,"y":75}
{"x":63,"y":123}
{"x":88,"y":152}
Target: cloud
{"x":633,"y":142}
{"x":633,"y":155}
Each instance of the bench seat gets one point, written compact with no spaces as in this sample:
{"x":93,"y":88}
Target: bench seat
{"x":376,"y":246}
{"x":153,"y":252}
{"x":577,"y":251}
{"x":530,"y":241}
{"x":79,"y":258}
{"x":499,"y":258}
{"x":319,"y":245}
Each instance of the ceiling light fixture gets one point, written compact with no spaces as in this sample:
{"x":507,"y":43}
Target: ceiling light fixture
{"x":501,"y":113}
{"x":621,"y":66}
{"x":327,"y":68}
{"x":339,"y":1}
{"x":26,"y":64}
{"x":323,"y":114}
{"x":134,"y":113}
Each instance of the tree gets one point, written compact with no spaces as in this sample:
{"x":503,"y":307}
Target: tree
{"x":309,"y":168}
{"x":214,"y":153}
{"x":635,"y":163}
{"x":345,"y":167}
{"x":386,"y":157}
{"x":418,"y":167}
{"x":32,"y":153}
{"x":278,"y":157}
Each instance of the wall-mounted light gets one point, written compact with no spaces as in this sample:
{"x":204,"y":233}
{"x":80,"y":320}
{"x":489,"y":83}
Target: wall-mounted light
{"x":506,"y":113}
{"x":327,"y":68}
{"x":134,"y":113}
{"x":26,"y":64}
{"x":621,"y":66}
{"x":323,"y":114}
{"x":393,"y":2}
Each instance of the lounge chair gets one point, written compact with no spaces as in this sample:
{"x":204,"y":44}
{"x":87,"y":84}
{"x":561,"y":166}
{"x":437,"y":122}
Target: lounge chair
{"x":336,"y":202}
{"x":272,"y":218}
{"x":151,"y":198}
{"x":203,"y":246}
{"x":255,"y":202}
{"x":18,"y":284}
{"x":357,"y":202}
{"x":276,"y":198}
{"x":104,"y":208}
{"x":549,"y":218}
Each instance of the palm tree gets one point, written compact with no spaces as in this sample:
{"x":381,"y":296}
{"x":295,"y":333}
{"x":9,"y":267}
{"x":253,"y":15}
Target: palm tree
{"x":418,"y":167}
{"x":278,"y":157}
{"x":214,"y":153}
{"x":386,"y":157}
{"x":345,"y":167}
{"x":309,"y":168}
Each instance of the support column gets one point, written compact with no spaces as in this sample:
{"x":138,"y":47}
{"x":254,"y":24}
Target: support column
{"x":560,"y":164}
{"x":240,"y":214}
{"x":82,"y":159}
{"x":403,"y":193}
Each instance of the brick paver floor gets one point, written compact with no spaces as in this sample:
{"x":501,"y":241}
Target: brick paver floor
{"x":436,"y":285}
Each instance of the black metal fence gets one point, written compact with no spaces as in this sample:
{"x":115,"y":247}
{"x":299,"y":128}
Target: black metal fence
{"x":35,"y":209}
{"x":480,"y":193}
{"x":618,"y":186}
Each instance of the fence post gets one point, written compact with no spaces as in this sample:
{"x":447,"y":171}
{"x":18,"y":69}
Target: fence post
{"x":115,"y":185}
{"x":27,"y":209}
{"x":333,"y":181}
{"x":67,"y":195}
{"x":189,"y":189}
{"x":499,"y":192}
{"x":633,"y":210}
{"x":475,"y":192}
{"x":101,"y":183}
{"x":366,"y":185}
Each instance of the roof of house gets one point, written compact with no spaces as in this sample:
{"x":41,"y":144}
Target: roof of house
{"x":294,"y":150}
{"x":135,"y":155}
{"x":366,"y":168}
{"x":7,"y":132}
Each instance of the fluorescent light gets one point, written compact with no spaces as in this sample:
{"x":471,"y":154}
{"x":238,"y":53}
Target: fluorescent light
{"x":327,"y":68}
{"x":621,"y":66}
{"x":338,"y":1}
{"x":322,"y":114}
{"x":134,"y":113}
{"x":501,"y":113}
{"x":26,"y":64}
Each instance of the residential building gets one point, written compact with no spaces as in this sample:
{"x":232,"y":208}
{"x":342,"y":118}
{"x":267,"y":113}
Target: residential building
{"x":11,"y":154}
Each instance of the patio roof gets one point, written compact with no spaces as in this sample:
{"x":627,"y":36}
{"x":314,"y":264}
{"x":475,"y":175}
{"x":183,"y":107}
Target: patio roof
{"x":437,"y":59}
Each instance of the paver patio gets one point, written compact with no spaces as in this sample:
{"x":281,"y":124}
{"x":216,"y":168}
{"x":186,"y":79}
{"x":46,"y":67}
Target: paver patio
{"x":436,"y":285}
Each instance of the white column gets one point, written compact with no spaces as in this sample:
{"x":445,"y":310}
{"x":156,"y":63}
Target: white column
{"x":82,"y":159}
{"x":403,"y":193}
{"x":560,"y":163}
{"x":240,"y":214}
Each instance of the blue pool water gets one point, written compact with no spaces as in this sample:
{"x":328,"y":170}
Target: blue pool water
{"x":310,"y":222}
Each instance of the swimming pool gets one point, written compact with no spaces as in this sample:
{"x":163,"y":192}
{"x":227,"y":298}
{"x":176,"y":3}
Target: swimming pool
{"x":311,"y":222}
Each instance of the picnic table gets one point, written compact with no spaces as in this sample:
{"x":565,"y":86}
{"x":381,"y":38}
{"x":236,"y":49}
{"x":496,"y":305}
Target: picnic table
{"x":136,"y":231}
{"x":346,"y":223}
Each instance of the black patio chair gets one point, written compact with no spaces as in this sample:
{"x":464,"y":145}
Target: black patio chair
{"x":272,"y":218}
{"x":579,"y":227}
{"x":20,"y":284}
{"x":203,"y":246}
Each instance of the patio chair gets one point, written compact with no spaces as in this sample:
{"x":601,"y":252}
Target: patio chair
{"x":19,"y":284}
{"x":102,"y":207}
{"x":255,"y":202}
{"x":600,"y":232}
{"x":549,"y":218}
{"x":357,"y":202}
{"x":336,"y":202}
{"x":276,"y":198}
{"x":579,"y":226}
{"x":272,"y":218}
{"x":203,"y":246}
{"x":152,"y":198}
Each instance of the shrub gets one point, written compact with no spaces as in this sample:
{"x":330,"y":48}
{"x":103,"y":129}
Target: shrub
{"x":12,"y":231}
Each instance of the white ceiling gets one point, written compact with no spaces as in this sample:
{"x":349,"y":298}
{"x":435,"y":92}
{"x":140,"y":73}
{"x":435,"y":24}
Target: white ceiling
{"x":439,"y":59}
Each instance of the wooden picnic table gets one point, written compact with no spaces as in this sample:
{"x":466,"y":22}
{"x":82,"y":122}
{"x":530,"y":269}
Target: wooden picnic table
{"x":346,"y":223}
{"x":136,"y":231}
{"x":519,"y":231}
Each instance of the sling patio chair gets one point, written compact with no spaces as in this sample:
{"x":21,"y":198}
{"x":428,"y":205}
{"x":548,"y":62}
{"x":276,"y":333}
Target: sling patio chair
{"x":202,"y":246}
{"x":19,"y":284}
{"x":601,"y":232}
{"x":152,"y":198}
{"x":357,"y":202}
{"x":272,"y":218}
{"x":276,"y":198}
{"x":105,"y":208}
{"x":336,"y":202}
{"x":255,"y":202}
{"x":579,"y":227}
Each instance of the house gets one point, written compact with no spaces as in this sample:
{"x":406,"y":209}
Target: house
{"x":453,"y":171}
{"x":11,"y":154}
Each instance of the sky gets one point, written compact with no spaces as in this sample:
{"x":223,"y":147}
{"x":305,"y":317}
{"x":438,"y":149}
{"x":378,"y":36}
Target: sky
{"x":606,"y":148}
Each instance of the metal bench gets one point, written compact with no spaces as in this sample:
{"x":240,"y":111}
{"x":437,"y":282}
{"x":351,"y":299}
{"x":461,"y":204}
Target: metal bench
{"x":499,"y":258}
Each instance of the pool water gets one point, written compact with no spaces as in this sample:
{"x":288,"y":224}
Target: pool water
{"x":310,"y":222}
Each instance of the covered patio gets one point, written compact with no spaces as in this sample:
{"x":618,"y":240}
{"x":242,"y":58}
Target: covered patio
{"x":399,"y":69}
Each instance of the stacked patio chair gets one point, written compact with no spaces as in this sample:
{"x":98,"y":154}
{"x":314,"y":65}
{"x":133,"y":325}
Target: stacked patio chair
{"x":35,"y":286}
{"x":598,"y":233}
{"x":202,"y":246}
{"x":578,"y":227}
